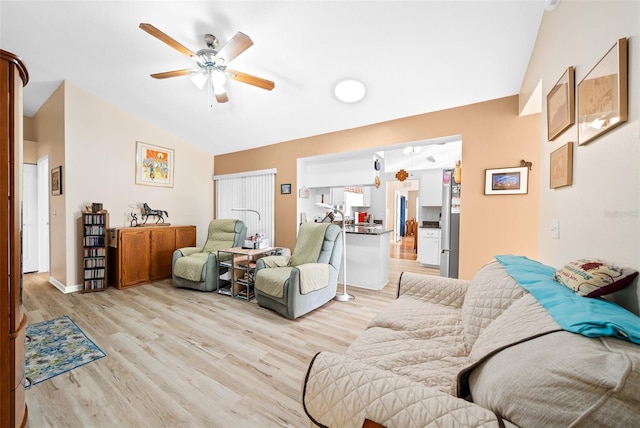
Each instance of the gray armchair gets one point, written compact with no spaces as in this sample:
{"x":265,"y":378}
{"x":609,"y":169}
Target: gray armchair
{"x":197,"y":267}
{"x":296,"y":284}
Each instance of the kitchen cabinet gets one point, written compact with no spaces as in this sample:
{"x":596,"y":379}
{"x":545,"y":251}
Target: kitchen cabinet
{"x":139,"y":255}
{"x":429,"y":246}
{"x":337,"y":196}
{"x":430,"y":193}
{"x":366,"y":196}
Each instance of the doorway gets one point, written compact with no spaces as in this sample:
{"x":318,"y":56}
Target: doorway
{"x":35,"y":217}
{"x":43,"y":214}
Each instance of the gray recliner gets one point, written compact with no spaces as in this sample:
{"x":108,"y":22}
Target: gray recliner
{"x":296,"y":284}
{"x":197,"y":267}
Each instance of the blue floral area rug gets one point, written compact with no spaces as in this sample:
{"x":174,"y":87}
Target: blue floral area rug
{"x":57,"y":346}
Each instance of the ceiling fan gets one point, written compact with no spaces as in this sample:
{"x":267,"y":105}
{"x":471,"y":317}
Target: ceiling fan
{"x":212,"y":65}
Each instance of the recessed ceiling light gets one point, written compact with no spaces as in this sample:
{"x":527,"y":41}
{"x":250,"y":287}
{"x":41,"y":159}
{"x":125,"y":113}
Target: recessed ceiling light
{"x":350,"y":91}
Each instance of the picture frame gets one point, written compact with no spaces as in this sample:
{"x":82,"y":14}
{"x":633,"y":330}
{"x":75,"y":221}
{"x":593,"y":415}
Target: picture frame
{"x":561,"y":166}
{"x":154,"y":165}
{"x":56,"y":181}
{"x":506,"y":181}
{"x":285,"y":189}
{"x":602,"y":95}
{"x":561,"y":111}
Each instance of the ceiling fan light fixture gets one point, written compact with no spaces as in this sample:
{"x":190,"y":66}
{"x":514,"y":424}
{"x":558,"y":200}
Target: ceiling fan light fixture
{"x":218,"y":79}
{"x":350,"y":91}
{"x":199,"y":79}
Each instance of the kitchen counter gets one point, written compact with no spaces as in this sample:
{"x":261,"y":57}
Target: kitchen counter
{"x":368,"y":256}
{"x":367,"y":230}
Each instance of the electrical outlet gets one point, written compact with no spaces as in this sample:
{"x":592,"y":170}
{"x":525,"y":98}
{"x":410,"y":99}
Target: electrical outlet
{"x":555,"y":229}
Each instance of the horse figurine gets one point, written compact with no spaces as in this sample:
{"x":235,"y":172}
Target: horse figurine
{"x":148,"y":211}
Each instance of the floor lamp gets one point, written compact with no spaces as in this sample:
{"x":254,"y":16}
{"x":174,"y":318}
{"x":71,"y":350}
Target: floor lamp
{"x":253,"y":211}
{"x":344,"y":297}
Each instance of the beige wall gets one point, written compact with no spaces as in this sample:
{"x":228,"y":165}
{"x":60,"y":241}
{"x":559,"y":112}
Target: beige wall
{"x":97,"y":149}
{"x":600,"y":213}
{"x":493,"y":135}
{"x":30,"y":152}
{"x":47,"y":128}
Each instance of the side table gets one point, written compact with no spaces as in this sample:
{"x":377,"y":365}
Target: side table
{"x":242,"y":266}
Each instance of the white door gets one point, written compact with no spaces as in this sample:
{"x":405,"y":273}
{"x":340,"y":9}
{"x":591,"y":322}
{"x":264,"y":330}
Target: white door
{"x":43,"y":214}
{"x":30,"y":219}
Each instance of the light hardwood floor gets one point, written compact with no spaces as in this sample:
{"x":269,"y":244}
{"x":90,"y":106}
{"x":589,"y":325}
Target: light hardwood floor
{"x":182,"y":358}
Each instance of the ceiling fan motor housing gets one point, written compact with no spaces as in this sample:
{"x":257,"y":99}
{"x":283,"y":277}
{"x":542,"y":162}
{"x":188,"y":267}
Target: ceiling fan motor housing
{"x":211,"y":41}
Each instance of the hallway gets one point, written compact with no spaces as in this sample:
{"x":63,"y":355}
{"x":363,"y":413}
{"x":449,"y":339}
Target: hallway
{"x":404,"y":249}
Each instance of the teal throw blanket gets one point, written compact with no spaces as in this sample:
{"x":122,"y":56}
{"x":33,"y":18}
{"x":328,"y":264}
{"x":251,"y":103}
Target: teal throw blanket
{"x":588,"y":316}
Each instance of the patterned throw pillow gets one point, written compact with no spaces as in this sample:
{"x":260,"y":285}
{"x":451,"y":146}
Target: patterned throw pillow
{"x":593,"y":277}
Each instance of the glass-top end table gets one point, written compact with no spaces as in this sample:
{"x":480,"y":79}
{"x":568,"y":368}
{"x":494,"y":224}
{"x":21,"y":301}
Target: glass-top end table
{"x":241,"y":262}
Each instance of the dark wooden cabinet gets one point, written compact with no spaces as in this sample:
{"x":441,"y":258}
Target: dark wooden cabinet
{"x":138,"y":255}
{"x":163,"y":243}
{"x":13,"y":410}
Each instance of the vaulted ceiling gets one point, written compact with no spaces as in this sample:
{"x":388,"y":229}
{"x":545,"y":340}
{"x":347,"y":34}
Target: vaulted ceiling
{"x":413,"y":57}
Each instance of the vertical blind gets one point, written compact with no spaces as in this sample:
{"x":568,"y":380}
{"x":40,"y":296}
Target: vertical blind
{"x":248,"y":190}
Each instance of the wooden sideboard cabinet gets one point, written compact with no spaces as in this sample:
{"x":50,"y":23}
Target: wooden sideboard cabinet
{"x":138,"y":255}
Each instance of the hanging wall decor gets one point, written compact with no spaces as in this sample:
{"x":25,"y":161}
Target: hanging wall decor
{"x":561,"y":166}
{"x":154,"y":165}
{"x":506,"y":181}
{"x":602,"y":95}
{"x":561,"y":105}
{"x":402,"y":175}
{"x":56,"y":181}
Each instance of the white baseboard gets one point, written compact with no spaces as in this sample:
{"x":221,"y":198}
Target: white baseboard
{"x":64,"y":288}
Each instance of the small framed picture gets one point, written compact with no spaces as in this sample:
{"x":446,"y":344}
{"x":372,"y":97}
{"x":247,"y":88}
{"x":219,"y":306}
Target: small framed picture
{"x":285,"y":189}
{"x":56,"y":181}
{"x":561,"y":166}
{"x":561,"y":105}
{"x":506,"y":181}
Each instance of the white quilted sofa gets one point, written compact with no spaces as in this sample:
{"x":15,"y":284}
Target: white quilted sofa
{"x":453,"y":353}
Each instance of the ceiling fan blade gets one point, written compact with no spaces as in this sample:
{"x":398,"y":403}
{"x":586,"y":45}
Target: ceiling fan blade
{"x":222,"y":98}
{"x":234,"y":47}
{"x":166,"y":39}
{"x":168,"y":74}
{"x":251,"y":80}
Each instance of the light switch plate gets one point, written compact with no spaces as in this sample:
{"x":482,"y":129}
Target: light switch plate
{"x":555,"y":229}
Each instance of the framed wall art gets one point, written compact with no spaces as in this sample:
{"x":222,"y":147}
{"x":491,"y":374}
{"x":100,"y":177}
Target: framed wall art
{"x":561,"y":166}
{"x":561,"y":110}
{"x":602,"y":95}
{"x":506,"y":181}
{"x":154,"y":165}
{"x":285,"y":189}
{"x":56,"y":181}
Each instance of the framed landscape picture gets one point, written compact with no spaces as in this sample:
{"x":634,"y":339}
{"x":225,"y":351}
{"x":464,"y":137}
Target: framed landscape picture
{"x":561,"y":166}
{"x":154,"y":165}
{"x":602,"y":95}
{"x":506,"y":181}
{"x":561,"y":110}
